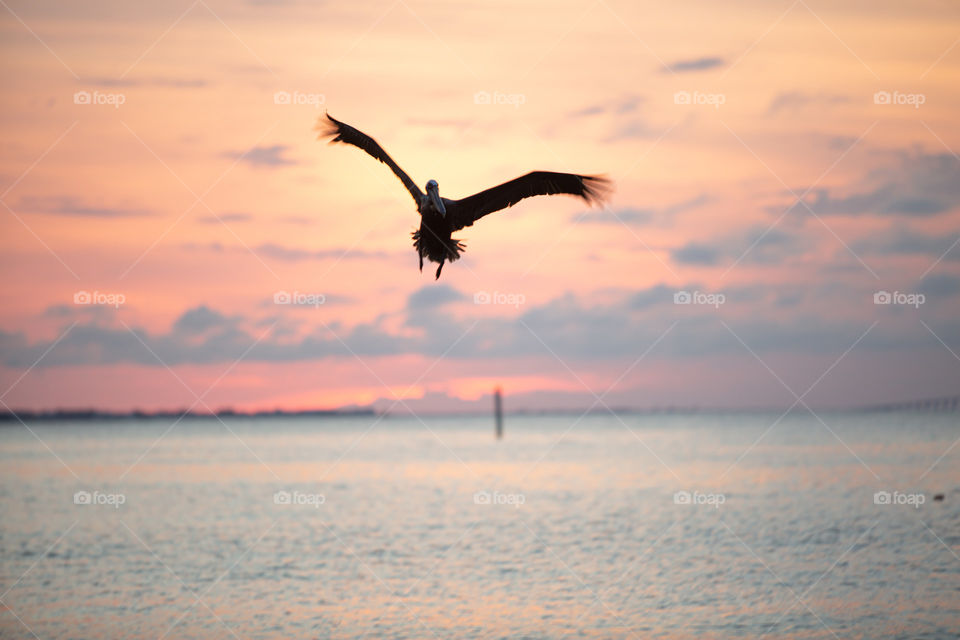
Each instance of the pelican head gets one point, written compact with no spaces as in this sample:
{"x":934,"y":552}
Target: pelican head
{"x":433,"y":192}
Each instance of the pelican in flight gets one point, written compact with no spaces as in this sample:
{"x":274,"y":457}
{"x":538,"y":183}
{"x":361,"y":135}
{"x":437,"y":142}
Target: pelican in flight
{"x":440,"y":217}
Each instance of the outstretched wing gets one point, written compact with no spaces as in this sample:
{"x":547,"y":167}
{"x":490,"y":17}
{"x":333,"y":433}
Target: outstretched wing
{"x":466,"y":211}
{"x":341,"y":132}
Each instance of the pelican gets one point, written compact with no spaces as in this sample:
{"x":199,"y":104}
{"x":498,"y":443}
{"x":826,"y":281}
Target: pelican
{"x":440,"y":217}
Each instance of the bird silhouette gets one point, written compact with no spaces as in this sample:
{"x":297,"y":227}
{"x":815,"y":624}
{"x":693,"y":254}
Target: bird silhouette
{"x":440,"y":217}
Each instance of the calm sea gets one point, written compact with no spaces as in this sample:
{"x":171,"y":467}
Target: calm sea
{"x":630,"y":526}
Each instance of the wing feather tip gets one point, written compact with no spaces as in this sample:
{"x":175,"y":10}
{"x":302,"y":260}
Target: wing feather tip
{"x":596,"y":189}
{"x":329,"y":128}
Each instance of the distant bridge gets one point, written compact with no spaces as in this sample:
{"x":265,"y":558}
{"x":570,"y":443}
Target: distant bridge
{"x":945,"y":404}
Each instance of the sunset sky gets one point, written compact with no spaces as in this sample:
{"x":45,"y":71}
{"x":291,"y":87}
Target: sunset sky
{"x":789,"y":159}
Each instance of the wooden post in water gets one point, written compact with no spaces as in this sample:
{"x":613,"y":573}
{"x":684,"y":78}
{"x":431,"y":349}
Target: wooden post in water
{"x":498,"y":411}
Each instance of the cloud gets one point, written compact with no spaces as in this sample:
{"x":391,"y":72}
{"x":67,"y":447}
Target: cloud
{"x":433,"y":295}
{"x":247,"y":217}
{"x":920,"y":185}
{"x":201,"y":320}
{"x":293,"y":254}
{"x":884,"y":200}
{"x":768,"y":317}
{"x":155,"y":81}
{"x":903,"y":241}
{"x":594,"y":110}
{"x":632,"y":129}
{"x":93,"y":313}
{"x":756,"y":245}
{"x":794,"y":100}
{"x":578,"y":331}
{"x":627,"y":104}
{"x":656,"y":295}
{"x":426,"y":312}
{"x":697,"y":64}
{"x":623,"y":111}
{"x":941,"y":285}
{"x":225,"y":217}
{"x":70,"y":206}
{"x":638,"y":217}
{"x":620,"y":106}
{"x":618,"y":216}
{"x":271,"y":156}
{"x":696,"y":254}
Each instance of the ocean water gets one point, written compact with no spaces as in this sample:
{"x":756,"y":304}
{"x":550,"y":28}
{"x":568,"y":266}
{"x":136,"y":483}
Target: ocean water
{"x":629,"y":526}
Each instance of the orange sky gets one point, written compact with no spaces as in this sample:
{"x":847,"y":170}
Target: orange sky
{"x":193,"y":190}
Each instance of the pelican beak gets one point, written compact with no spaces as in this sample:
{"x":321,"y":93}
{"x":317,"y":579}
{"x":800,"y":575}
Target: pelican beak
{"x":437,"y":202}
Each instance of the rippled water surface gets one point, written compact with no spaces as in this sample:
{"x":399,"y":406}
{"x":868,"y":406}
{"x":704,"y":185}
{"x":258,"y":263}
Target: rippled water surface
{"x":351,"y":528}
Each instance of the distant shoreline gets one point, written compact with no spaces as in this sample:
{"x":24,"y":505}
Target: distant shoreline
{"x":939,"y":405}
{"x":93,"y":414}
